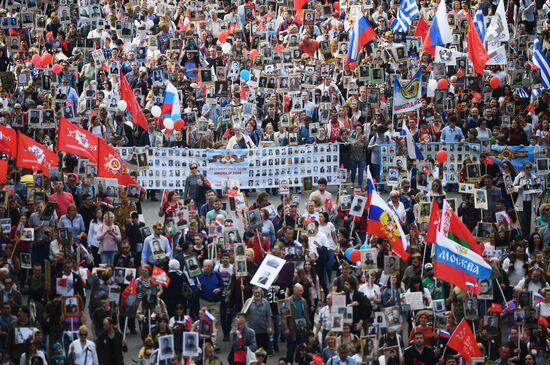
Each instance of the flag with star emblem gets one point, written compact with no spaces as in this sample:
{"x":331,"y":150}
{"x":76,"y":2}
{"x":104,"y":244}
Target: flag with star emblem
{"x":435,"y":220}
{"x":35,"y":156}
{"x":111,"y":165}
{"x":75,"y":140}
{"x":8,"y":141}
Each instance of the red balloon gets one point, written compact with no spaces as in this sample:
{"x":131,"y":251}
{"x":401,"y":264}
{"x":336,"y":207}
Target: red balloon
{"x":168,"y":131}
{"x":279,"y":47}
{"x":355,"y":256}
{"x":49,"y":35}
{"x":443,"y":84}
{"x":46,"y":59}
{"x":56,"y":69}
{"x":441,"y":156}
{"x":179,"y":124}
{"x":253,"y":54}
{"x":494,"y":82}
{"x":336,"y":6}
{"x":222,"y":37}
{"x":36,"y":60}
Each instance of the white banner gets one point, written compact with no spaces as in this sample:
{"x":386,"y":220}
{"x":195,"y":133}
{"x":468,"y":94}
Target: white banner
{"x":447,"y":56}
{"x":497,"y":56}
{"x":407,"y":98}
{"x":266,"y":167}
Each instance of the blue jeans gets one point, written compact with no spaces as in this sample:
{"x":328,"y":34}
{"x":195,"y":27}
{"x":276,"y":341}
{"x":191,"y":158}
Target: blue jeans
{"x":354,"y":165}
{"x":328,"y":268}
{"x":375,"y":171}
{"x":108,"y":257}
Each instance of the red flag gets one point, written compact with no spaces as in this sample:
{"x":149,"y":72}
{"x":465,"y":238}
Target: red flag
{"x":126,"y":295}
{"x":111,"y":165}
{"x":543,"y":322}
{"x":495,"y":308}
{"x":76,"y":140}
{"x":3,"y":171}
{"x":464,"y":342}
{"x":460,"y":73}
{"x":127,"y":94}
{"x":33,"y":155}
{"x":421,"y":28}
{"x":160,"y":277}
{"x":8,"y":141}
{"x":489,"y":160}
{"x":299,"y":17}
{"x":435,"y":221}
{"x":476,"y":50}
{"x":299,"y":4}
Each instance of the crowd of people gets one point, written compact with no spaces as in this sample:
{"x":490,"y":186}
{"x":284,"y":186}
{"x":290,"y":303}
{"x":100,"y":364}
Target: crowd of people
{"x":83,"y":272}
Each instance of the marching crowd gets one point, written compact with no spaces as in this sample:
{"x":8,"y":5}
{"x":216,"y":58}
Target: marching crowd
{"x":81,"y":273}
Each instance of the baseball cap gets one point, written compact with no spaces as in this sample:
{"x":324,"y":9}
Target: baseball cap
{"x":428,"y":266}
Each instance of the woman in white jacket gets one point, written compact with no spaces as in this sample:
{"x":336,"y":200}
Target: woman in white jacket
{"x":240,"y":141}
{"x":82,"y":351}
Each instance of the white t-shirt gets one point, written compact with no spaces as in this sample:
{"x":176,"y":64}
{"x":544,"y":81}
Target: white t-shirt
{"x":370,"y":293}
{"x":327,"y":232}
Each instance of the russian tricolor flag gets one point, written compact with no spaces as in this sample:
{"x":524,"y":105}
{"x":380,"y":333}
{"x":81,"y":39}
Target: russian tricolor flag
{"x":457,"y":264}
{"x":384,"y":223}
{"x":444,"y":334}
{"x":538,"y":298}
{"x":361,"y":34}
{"x":171,"y":107}
{"x":209,"y":317}
{"x":440,"y":32}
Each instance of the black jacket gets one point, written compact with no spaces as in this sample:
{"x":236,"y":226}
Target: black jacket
{"x":109,"y":350}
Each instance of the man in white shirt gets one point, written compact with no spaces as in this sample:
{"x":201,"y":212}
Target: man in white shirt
{"x":324,"y":319}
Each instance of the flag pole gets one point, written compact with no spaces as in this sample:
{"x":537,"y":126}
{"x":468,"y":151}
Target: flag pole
{"x":501,"y":292}
{"x":125,"y":328}
{"x":149,"y":320}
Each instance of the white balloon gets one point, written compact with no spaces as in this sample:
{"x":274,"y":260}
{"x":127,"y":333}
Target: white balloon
{"x":168,"y":123}
{"x":155,"y":110}
{"x":226,"y":48}
{"x":122,"y":105}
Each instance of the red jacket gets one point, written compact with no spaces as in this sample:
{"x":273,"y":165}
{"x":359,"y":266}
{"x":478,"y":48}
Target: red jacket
{"x":254,"y":244}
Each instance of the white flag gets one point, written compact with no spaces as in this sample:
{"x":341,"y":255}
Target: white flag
{"x":498,"y":29}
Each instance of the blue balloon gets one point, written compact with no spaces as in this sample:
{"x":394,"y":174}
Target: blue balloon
{"x":364,"y":246}
{"x":245,"y":75}
{"x":348,"y":252}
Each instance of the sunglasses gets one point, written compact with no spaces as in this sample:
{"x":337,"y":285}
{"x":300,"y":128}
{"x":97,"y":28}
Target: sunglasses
{"x":193,"y":167}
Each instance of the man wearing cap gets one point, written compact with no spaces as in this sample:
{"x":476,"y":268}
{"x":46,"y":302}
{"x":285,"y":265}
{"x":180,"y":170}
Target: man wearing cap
{"x":437,"y":288}
{"x":147,"y":253}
